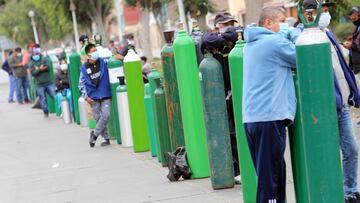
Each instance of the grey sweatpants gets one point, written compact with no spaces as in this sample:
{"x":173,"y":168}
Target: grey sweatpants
{"x":101,"y":113}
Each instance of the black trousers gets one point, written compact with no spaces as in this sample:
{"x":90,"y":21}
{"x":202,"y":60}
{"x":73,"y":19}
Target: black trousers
{"x":267,"y":141}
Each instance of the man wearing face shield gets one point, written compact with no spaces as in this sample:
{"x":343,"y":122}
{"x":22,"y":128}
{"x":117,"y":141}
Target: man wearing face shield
{"x":347,"y":94}
{"x":94,"y":86}
{"x":220,"y":43}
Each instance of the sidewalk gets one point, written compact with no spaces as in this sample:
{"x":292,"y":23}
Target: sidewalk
{"x":45,"y":160}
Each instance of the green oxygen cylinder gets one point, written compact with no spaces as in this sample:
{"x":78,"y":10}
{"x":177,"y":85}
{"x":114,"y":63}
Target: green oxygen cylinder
{"x":191,"y":105}
{"x":314,"y":139}
{"x":116,"y":69}
{"x":150,"y":120}
{"x":74,"y":74}
{"x":248,"y":173}
{"x":154,"y":74}
{"x":172,"y":93}
{"x":50,"y":101}
{"x":135,"y":87}
{"x":216,"y":122}
{"x":162,"y":122}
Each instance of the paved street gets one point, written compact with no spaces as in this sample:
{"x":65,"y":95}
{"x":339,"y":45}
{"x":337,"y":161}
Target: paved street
{"x":44,"y":160}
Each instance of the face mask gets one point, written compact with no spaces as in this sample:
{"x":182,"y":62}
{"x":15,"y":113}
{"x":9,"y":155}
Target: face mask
{"x":63,"y":67}
{"x":324,"y":21}
{"x":131,"y":42}
{"x":223,"y":29}
{"x":95,"y":55}
{"x":36,"y":57}
{"x":284,"y":29}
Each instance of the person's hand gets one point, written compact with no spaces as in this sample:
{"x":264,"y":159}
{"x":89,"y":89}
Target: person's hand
{"x":89,"y":100}
{"x":347,"y":44}
{"x":42,"y":67}
{"x":37,"y":68}
{"x":60,"y":81}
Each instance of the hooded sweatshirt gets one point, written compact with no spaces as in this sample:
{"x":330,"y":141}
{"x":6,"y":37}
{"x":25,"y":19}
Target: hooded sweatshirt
{"x":268,"y":87}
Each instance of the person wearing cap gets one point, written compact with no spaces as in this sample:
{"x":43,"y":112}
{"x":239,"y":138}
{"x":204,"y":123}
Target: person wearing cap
{"x":354,"y":16}
{"x":220,"y":43}
{"x":39,"y":68}
{"x":347,"y":94}
{"x":269,"y":101}
{"x":94,"y":86}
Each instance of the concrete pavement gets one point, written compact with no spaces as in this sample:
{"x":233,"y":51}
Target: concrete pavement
{"x":45,"y":160}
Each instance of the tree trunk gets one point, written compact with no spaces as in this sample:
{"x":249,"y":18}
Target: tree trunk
{"x":145,"y":34}
{"x":101,"y":29}
{"x":253,"y":10}
{"x":202,"y":22}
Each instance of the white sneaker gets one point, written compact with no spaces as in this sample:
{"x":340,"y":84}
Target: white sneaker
{"x":237,"y":180}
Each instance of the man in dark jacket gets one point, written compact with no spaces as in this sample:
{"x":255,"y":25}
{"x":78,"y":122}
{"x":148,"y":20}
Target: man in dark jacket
{"x":354,"y":16}
{"x":220,"y":44}
{"x":6,"y":67}
{"x":94,"y":86}
{"x":39,"y":68}
{"x":20,"y":72}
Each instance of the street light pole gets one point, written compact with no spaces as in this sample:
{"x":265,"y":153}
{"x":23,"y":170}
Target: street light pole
{"x":182,"y":14}
{"x":31,"y":15}
{"x":120,"y":18}
{"x":72,"y":9}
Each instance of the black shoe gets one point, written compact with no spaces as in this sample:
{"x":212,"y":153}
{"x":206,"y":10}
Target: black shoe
{"x":93,"y":138}
{"x":105,"y":143}
{"x":46,"y":114}
{"x":357,"y":197}
{"x":351,"y":200}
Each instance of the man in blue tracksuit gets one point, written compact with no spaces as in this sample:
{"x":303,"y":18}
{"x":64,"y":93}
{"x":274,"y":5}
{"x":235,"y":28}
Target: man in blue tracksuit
{"x":269,"y":101}
{"x":347,"y":94}
{"x":94,"y":86}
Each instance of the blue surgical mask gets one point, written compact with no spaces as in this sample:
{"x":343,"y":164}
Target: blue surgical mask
{"x":324,"y":20}
{"x":284,"y":29}
{"x":95,"y":55}
{"x":36,"y":57}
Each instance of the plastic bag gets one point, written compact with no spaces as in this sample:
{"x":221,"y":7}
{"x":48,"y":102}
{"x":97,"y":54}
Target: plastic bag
{"x":178,"y":165}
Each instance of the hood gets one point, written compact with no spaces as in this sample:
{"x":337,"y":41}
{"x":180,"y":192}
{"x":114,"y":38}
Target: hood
{"x":255,"y":33}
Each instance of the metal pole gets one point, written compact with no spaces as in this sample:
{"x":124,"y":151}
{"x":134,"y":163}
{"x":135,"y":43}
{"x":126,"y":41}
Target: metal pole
{"x":182,"y":14}
{"x":72,"y":9}
{"x":120,"y":19}
{"x":35,"y":31}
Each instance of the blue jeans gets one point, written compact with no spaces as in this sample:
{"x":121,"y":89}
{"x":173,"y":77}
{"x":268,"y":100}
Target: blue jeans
{"x":349,"y":149}
{"x":22,"y":85}
{"x":12,"y":83}
{"x":42,"y":90}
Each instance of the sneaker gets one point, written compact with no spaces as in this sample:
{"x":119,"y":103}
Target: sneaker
{"x":93,"y":138}
{"x":351,"y":200}
{"x":105,"y":143}
{"x":27,"y":101}
{"x":11,"y":101}
{"x":46,"y":114}
{"x":357,"y":197}
{"x":237,"y":180}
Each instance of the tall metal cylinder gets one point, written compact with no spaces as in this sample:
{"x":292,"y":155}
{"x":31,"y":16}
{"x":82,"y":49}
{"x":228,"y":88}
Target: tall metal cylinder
{"x":150,"y":120}
{"x":247,"y":169}
{"x":116,"y":69}
{"x":67,"y":117}
{"x":154,"y":74}
{"x":51,"y":101}
{"x":74,"y":74}
{"x":162,"y":121}
{"x":172,"y":93}
{"x":135,"y":87}
{"x":216,"y":123}
{"x":124,"y":115}
{"x":82,"y":112}
{"x":315,"y":137}
{"x":191,"y":105}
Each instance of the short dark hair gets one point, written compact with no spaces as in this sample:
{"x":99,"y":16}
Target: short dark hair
{"x":88,"y":47}
{"x":143,"y":58}
{"x":83,"y":37}
{"x":17,"y":49}
{"x":111,"y":41}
